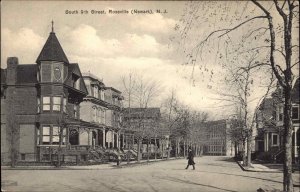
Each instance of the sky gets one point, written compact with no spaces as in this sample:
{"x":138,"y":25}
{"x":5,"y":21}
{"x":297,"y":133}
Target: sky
{"x":111,"y":45}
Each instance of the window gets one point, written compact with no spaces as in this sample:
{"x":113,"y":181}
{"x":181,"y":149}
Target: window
{"x":51,"y":103}
{"x":56,"y":103}
{"x":38,"y":105}
{"x":275,"y":139}
{"x":75,"y":111}
{"x":22,"y":156}
{"x":99,"y":115}
{"x":51,"y":135}
{"x":55,"y":135}
{"x":295,"y":112}
{"x":46,"y":135}
{"x":96,"y":91}
{"x":103,"y":116}
{"x":38,"y":136}
{"x":94,"y":114}
{"x":280,"y":113}
{"x":102,"y":94}
{"x":65,"y":104}
{"x":46,"y":104}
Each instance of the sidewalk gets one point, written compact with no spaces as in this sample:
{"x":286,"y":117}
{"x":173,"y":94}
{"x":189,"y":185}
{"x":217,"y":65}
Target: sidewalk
{"x":109,"y":165}
{"x":258,"y":168}
{"x":255,"y":167}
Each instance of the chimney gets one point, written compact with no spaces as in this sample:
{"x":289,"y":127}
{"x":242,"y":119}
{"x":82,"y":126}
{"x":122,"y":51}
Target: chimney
{"x":12,"y":63}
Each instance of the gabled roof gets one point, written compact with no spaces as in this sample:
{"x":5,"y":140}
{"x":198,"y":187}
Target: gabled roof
{"x":73,"y":68}
{"x":52,"y":51}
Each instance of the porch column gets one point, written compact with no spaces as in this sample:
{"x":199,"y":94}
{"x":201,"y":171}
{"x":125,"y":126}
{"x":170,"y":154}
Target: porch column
{"x":89,"y":139}
{"x":118,"y":140}
{"x":113,"y":139}
{"x":295,"y":142}
{"x":97,"y":138}
{"x":266,"y":141}
{"x":123,"y":141}
{"x":103,"y":137}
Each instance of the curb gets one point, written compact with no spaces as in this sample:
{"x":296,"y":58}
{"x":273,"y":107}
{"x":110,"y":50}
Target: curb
{"x":112,"y":166}
{"x":143,"y":163}
{"x":253,"y":170}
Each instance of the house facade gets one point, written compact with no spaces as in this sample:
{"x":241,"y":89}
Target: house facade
{"x":47,"y":110}
{"x":269,"y":121}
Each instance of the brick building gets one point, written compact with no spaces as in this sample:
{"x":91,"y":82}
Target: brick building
{"x":217,"y":138}
{"x":43,"y":110}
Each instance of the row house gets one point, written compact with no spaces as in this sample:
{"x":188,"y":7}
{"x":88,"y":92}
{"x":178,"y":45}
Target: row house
{"x":45,"y":110}
{"x":103,"y":107}
{"x":269,"y":121}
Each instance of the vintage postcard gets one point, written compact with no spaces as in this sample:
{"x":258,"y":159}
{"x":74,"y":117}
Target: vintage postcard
{"x":155,"y":96}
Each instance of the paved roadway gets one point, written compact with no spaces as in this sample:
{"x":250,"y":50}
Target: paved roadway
{"x":211,"y":174}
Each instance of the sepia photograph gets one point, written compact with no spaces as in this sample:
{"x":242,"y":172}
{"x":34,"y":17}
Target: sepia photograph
{"x":150,"y":96}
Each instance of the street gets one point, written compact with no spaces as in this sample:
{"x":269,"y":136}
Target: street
{"x":212,"y":173}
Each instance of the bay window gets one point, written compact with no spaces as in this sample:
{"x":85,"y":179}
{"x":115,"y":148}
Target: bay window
{"x":55,"y":135}
{"x":50,"y":135}
{"x":46,"y":135}
{"x":46,"y":103}
{"x":52,"y":103}
{"x":56,"y":103}
{"x":65,"y":105}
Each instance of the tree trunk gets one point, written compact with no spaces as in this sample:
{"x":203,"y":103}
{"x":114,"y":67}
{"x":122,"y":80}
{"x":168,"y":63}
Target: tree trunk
{"x":248,"y":151}
{"x":176,"y":147}
{"x":183,"y":148}
{"x":155,"y":147}
{"x":288,"y":126}
{"x":139,"y":151}
{"x":244,"y":153}
{"x":148,"y":153}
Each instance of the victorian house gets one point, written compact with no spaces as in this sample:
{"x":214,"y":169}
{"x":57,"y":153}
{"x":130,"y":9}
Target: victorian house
{"x":47,"y":110}
{"x":103,"y":107}
{"x":269,"y":121}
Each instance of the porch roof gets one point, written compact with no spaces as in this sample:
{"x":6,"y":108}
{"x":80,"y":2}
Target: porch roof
{"x":84,"y":124}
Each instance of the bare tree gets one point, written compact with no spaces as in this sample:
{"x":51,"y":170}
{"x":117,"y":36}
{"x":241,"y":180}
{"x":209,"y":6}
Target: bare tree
{"x":275,"y":34}
{"x":140,"y":93}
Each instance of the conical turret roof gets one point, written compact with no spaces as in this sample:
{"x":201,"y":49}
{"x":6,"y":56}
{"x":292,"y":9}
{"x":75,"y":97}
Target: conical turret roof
{"x":52,"y":51}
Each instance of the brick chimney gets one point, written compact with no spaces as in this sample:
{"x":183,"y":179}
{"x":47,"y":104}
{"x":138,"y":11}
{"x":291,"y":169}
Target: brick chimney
{"x":12,"y":63}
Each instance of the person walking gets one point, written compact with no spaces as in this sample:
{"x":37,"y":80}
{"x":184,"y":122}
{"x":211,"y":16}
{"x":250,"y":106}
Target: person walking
{"x":190,"y":159}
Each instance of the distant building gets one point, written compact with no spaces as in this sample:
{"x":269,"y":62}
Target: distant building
{"x":146,"y":122}
{"x":217,"y":138}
